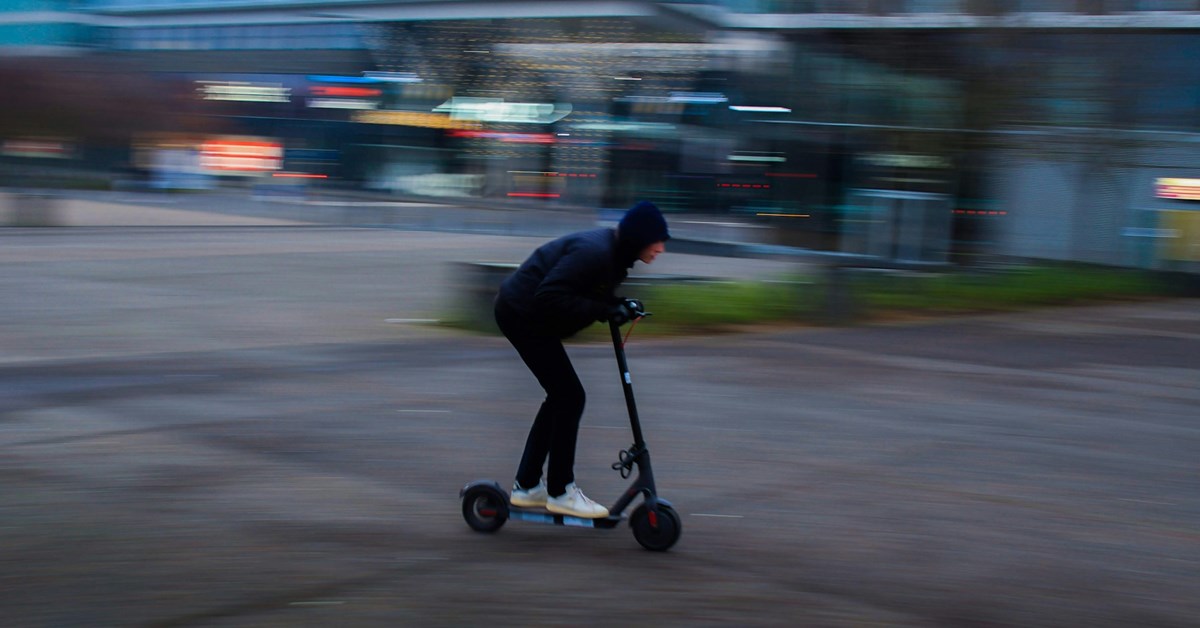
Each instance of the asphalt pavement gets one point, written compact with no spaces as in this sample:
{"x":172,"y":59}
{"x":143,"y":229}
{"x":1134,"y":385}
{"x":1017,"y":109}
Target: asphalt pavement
{"x":259,"y":425}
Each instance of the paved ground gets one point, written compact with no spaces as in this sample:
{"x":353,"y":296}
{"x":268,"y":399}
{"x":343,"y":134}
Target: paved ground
{"x":221,"y":427}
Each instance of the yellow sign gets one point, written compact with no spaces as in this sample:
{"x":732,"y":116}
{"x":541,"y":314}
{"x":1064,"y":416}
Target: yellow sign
{"x":1181,"y":189}
{"x":414,"y":118}
{"x":1185,"y":227}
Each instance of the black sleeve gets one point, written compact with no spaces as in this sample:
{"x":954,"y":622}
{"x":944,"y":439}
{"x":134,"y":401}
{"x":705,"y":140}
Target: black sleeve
{"x":569,"y":286}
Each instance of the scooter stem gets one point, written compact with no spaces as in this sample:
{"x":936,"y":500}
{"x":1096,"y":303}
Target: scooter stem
{"x":627,"y":385}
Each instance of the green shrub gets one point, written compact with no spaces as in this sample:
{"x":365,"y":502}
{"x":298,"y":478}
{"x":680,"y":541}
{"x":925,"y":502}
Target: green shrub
{"x":693,"y":307}
{"x":705,"y":305}
{"x":1017,"y":288}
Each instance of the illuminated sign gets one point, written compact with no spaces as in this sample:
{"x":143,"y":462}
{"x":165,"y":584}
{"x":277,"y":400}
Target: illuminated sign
{"x":496,"y":110}
{"x":242,"y":91}
{"x":758,"y":157}
{"x":518,"y":138}
{"x":326,"y":78}
{"x":393,"y":77}
{"x":241,"y":155}
{"x":40,"y":148}
{"x":414,"y":118}
{"x":901,"y":160}
{"x":351,"y":92}
{"x":753,"y":109}
{"x":343,"y":97}
{"x":341,"y":103}
{"x":1181,"y":189}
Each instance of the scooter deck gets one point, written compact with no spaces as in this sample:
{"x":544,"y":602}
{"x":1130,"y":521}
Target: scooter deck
{"x":537,"y":515}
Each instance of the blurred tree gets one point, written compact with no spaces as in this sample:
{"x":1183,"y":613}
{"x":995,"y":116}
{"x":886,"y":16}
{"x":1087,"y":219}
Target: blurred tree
{"x":93,"y":100}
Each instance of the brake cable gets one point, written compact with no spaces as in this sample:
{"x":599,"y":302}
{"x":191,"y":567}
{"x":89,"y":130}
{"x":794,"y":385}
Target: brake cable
{"x":632,"y":324}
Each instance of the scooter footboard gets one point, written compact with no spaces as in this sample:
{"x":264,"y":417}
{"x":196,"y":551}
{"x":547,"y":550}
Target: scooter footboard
{"x":538,"y":516}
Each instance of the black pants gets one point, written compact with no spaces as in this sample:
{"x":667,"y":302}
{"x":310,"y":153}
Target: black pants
{"x":556,"y":425}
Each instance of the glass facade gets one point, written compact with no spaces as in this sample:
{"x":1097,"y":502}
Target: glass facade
{"x":41,"y":23}
{"x":902,"y":7}
{"x":159,"y":5}
{"x":736,"y":6}
{"x":43,"y":34}
{"x":335,"y":36}
{"x":811,"y":129}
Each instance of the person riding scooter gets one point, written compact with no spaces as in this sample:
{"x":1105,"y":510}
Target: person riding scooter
{"x":563,"y":287}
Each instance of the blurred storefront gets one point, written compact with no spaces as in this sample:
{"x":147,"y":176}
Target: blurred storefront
{"x":918,"y":129}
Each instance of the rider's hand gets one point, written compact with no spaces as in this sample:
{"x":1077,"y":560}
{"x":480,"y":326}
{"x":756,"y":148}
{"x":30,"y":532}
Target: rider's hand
{"x":625,"y":311}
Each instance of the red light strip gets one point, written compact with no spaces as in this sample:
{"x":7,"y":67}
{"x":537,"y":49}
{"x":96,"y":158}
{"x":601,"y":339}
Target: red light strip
{"x":517,"y":138}
{"x":217,"y":144}
{"x":1182,"y":192}
{"x":345,"y":91}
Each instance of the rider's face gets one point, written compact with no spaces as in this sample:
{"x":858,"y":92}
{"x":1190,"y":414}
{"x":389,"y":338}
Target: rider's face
{"x":652,"y":251}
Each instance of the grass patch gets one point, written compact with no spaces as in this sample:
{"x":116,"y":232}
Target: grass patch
{"x":876,"y":296}
{"x":702,"y":306}
{"x":706,"y":307}
{"x":1012,"y":289}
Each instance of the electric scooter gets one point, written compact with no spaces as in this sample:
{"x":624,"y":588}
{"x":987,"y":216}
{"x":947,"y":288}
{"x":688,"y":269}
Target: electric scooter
{"x":656,"y":525}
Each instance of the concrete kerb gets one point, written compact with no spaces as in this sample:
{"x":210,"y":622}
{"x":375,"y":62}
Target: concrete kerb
{"x":30,"y":209}
{"x":478,"y":284}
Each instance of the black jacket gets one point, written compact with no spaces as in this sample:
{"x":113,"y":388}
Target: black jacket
{"x":568,"y":283}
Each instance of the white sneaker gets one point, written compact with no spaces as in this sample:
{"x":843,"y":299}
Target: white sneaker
{"x":532,"y":498}
{"x":576,"y":504}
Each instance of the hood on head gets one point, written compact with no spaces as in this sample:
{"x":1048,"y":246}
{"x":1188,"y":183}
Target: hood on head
{"x":642,"y":226}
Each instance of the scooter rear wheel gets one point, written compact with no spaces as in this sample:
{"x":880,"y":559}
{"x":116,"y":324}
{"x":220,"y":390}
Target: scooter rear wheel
{"x":656,"y":532}
{"x":485,"y":508}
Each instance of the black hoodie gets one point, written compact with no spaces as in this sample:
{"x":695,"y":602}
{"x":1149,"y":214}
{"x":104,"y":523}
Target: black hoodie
{"x":566,"y":284}
{"x":569,"y":283}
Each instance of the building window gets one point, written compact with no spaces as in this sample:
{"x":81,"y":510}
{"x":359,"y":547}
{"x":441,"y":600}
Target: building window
{"x":1049,"y":6}
{"x":933,"y":6}
{"x":1164,"y":5}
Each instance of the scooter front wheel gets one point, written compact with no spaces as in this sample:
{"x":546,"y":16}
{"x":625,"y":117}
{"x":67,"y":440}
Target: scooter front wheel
{"x":656,"y":532}
{"x":485,"y":507}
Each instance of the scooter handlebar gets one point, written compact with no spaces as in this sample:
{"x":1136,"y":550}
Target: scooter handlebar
{"x":627,"y":310}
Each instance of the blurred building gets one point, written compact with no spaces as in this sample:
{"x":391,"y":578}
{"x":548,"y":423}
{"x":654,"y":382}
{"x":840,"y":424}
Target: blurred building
{"x":914,"y":129}
{"x":45,"y":27}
